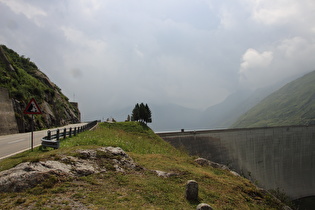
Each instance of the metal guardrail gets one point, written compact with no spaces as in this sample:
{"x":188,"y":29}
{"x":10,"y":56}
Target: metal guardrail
{"x":53,"y":137}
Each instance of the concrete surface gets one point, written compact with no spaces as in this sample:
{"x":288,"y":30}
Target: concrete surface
{"x":276,"y":157}
{"x":8,"y":124}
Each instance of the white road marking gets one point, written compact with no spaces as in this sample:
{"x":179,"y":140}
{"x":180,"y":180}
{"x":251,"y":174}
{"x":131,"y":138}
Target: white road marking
{"x":16,"y":141}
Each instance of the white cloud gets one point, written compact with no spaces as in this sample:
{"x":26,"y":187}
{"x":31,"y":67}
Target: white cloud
{"x":22,"y":7}
{"x":79,"y":39}
{"x":295,"y":55}
{"x":298,"y":15}
{"x":252,"y":59}
{"x":90,"y":6}
{"x":254,"y":67}
{"x":284,"y":59}
{"x":295,"y":47}
{"x":227,"y":19}
{"x":275,"y":12}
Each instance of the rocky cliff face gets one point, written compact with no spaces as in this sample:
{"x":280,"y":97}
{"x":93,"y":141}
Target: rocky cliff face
{"x":8,"y":123}
{"x":23,"y":81}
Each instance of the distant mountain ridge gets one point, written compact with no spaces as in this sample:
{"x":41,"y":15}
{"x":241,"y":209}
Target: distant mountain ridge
{"x":293,"y":104}
{"x":223,"y":115}
{"x":172,"y":117}
{"x":166,"y":117}
{"x":23,"y":81}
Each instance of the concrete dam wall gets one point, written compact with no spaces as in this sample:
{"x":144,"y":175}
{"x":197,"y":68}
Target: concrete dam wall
{"x":275,"y":157}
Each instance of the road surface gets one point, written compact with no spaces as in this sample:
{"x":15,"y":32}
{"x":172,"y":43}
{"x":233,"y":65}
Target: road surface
{"x":16,"y":143}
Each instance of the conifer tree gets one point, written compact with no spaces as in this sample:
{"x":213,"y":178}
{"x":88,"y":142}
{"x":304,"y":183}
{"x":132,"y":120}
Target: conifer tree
{"x":128,"y":118}
{"x":141,"y":113}
{"x":135,"y":113}
{"x":148,"y":114}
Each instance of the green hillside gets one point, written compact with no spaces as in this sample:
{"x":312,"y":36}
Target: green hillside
{"x":23,"y":81}
{"x":293,"y":104}
{"x":139,"y":188}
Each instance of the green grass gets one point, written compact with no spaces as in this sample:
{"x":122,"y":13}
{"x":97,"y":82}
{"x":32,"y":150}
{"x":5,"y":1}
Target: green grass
{"x":134,"y":189}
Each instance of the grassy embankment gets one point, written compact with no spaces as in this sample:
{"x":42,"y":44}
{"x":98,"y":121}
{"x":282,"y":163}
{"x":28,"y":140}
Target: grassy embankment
{"x":134,"y":190}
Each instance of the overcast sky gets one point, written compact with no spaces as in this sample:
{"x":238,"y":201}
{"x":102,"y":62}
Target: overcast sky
{"x":109,"y":54}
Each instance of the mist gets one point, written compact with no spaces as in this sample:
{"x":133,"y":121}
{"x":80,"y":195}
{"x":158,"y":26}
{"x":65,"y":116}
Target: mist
{"x":110,"y":55}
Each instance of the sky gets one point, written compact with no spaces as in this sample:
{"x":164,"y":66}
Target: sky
{"x":112,"y":54}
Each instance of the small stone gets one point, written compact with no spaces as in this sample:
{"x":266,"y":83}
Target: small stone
{"x":234,"y":173}
{"x":192,"y":190}
{"x":203,"y":206}
{"x":164,"y":174}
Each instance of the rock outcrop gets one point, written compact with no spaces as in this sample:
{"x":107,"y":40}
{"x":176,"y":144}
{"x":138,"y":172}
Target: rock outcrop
{"x":205,"y":162}
{"x":83,"y":163}
{"x":23,"y":80}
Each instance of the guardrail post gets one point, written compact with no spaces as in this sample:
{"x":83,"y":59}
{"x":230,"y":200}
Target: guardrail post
{"x":49,"y":135}
{"x":75,"y":131}
{"x":57,"y":134}
{"x":64,"y":133}
{"x":70,"y":132}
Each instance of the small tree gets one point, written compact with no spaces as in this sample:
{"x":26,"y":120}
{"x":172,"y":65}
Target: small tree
{"x":128,"y":118}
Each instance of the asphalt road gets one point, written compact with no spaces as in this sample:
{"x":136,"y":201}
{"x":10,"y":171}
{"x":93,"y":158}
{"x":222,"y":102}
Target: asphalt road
{"x":16,"y":143}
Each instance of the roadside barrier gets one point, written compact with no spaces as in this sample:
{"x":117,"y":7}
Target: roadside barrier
{"x":53,"y":137}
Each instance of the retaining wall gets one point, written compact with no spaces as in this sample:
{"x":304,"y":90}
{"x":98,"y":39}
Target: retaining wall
{"x":8,"y":124}
{"x":276,"y":157}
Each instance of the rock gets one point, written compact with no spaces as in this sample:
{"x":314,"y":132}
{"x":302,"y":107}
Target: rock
{"x":192,"y":190}
{"x":203,"y":206}
{"x":205,"y":162}
{"x":87,"y":154}
{"x":84,"y":168}
{"x":120,"y":159}
{"x":164,"y":174}
{"x":234,"y":173}
{"x":115,"y":151}
{"x":29,"y":174}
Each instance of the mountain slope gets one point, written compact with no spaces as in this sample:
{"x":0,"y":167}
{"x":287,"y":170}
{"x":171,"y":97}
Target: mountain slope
{"x":293,"y":104}
{"x":23,"y":81}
